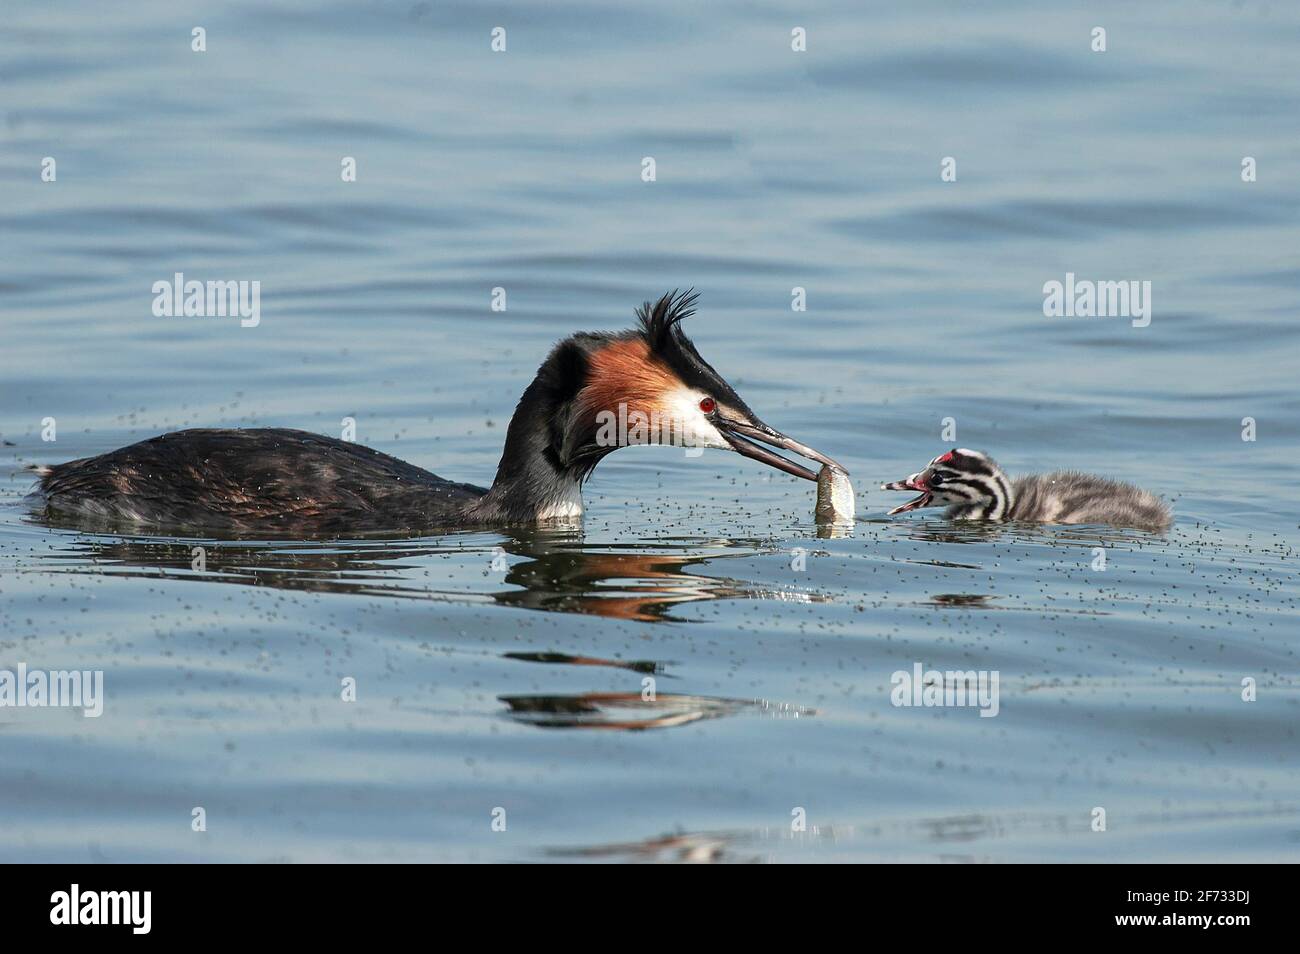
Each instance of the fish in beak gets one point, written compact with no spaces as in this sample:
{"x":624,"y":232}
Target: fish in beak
{"x":915,"y":482}
{"x":744,"y":437}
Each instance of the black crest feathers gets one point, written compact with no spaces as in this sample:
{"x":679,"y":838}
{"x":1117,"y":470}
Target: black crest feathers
{"x":659,"y":322}
{"x":661,"y":328}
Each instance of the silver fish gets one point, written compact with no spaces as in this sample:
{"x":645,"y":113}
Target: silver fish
{"x":834,"y":496}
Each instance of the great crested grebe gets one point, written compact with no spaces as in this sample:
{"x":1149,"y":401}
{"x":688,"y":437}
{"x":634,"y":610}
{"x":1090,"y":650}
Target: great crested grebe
{"x":288,"y":481}
{"x":973,"y":487}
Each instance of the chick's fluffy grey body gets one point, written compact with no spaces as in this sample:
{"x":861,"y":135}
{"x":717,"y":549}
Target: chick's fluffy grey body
{"x":1067,"y":496}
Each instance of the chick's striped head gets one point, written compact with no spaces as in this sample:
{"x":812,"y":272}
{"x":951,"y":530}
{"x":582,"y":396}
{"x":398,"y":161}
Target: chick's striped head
{"x":959,"y":476}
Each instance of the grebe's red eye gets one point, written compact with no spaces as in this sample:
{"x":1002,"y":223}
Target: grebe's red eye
{"x":707,"y":405}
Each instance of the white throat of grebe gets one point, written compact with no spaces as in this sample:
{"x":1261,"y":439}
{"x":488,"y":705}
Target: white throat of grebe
{"x":961,"y":477}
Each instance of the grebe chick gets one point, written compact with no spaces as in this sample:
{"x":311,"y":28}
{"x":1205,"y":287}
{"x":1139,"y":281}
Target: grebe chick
{"x":973,"y":487}
{"x":594,"y":393}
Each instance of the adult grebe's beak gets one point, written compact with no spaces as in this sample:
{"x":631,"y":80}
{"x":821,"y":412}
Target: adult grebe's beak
{"x":742,"y":436}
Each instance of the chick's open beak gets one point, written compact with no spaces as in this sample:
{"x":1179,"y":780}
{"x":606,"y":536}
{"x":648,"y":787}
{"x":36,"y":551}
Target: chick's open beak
{"x":743,"y":436}
{"x":914,"y":482}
